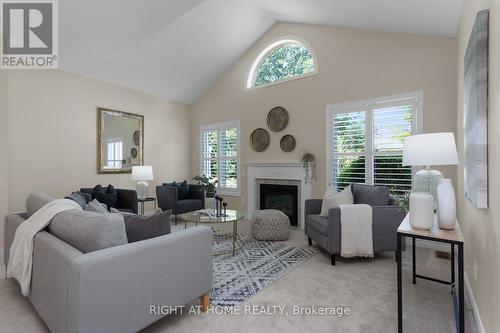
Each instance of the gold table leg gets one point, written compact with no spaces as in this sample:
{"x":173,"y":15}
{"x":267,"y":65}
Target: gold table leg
{"x":235,"y":235}
{"x":205,"y":302}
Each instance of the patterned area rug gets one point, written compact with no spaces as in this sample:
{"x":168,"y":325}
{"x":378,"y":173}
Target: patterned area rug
{"x":254,"y":267}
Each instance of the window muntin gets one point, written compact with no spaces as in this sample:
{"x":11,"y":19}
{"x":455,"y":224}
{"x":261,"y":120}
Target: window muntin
{"x":220,"y":154}
{"x":281,"y":61}
{"x":366,"y":143}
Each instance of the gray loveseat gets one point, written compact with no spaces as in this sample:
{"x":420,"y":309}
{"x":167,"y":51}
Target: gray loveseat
{"x":387,"y":216}
{"x":113,"y":289}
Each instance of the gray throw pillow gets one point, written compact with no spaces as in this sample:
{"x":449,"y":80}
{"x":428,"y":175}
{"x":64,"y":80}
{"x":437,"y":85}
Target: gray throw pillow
{"x":89,"y":231}
{"x":35,"y":201}
{"x":78,"y":198}
{"x":141,"y":227}
{"x":96,"y":207}
{"x":370,"y":195}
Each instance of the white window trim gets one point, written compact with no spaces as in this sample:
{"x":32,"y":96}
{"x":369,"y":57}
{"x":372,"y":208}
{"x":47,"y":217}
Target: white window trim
{"x":275,"y":44}
{"x":361,"y":106}
{"x":218,"y":126}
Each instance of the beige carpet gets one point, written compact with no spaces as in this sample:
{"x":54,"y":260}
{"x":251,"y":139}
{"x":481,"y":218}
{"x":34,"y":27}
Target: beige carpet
{"x":366,"y":286}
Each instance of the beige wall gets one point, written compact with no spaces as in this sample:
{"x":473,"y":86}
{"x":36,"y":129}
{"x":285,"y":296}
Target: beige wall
{"x":52,"y":133}
{"x":353,"y":65}
{"x":481,"y":228}
{"x":4,"y":177}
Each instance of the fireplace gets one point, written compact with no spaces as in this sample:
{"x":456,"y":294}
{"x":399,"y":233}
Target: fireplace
{"x":290,"y":173}
{"x":280,"y":197}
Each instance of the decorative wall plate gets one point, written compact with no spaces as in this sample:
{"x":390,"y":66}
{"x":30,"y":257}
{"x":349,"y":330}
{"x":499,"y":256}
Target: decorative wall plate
{"x":259,"y":139}
{"x":136,"y":138}
{"x":133,"y":153}
{"x":277,"y":119}
{"x":287,"y":143}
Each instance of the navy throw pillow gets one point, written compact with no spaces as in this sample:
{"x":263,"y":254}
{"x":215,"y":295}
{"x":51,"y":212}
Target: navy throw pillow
{"x":109,"y":197}
{"x":182,"y":189}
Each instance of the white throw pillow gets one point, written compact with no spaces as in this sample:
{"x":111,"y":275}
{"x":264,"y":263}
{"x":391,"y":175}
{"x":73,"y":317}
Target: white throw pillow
{"x":332,"y":201}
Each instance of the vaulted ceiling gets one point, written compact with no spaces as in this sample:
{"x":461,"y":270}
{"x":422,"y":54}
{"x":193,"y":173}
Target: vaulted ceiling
{"x":178,"y":48}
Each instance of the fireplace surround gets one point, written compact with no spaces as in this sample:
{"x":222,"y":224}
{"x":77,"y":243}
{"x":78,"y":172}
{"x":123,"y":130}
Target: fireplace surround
{"x":286,"y":174}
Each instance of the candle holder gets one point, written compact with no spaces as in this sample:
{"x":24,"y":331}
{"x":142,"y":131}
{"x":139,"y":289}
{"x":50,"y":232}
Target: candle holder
{"x":217,"y":213}
{"x":220,"y":206}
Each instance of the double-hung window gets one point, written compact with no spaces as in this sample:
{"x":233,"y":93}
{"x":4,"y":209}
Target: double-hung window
{"x":365,"y":142}
{"x":220,"y":155}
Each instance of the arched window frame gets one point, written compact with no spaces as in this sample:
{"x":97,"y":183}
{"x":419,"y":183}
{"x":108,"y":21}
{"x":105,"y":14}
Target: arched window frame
{"x":273,"y":46}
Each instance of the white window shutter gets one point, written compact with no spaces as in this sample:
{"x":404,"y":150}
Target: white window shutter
{"x":366,"y":143}
{"x":220,"y":155}
{"x":349,"y":139}
{"x":390,"y":126}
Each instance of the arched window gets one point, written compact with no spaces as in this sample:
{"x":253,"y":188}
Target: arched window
{"x":284,"y":59}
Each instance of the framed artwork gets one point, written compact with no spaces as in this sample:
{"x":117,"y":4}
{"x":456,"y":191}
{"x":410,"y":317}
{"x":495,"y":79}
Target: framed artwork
{"x":476,"y":113}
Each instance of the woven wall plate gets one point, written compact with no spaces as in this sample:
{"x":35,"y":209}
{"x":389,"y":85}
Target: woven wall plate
{"x":259,"y":139}
{"x":277,"y":119}
{"x":288,"y":143}
{"x":137,"y":138}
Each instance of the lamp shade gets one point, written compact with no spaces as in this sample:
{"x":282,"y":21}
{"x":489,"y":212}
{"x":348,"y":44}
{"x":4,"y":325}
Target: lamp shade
{"x":430,"y":149}
{"x":142,"y":172}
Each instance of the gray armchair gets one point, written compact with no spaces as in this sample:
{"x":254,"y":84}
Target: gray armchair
{"x":326,"y":231}
{"x":168,"y":198}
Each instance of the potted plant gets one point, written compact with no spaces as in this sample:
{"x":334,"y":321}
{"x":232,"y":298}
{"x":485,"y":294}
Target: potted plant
{"x":404,"y":202}
{"x":209,"y":185}
{"x":309,"y":165}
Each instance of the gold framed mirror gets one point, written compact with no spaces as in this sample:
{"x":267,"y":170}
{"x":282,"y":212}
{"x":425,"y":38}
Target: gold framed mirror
{"x":120,"y":141}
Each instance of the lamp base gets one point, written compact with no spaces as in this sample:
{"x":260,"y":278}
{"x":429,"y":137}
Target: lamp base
{"x":427,"y":181}
{"x":142,"y":190}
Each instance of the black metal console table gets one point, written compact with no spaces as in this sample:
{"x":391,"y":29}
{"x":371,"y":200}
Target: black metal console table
{"x":451,"y":237}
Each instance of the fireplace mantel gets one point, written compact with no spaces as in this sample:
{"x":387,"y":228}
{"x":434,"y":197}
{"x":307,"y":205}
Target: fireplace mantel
{"x":258,"y":172}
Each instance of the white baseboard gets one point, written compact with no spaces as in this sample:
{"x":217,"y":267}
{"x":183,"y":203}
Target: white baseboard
{"x":475,"y":310}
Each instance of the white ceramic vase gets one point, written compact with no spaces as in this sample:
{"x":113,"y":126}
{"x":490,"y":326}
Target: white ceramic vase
{"x":421,"y":210}
{"x":446,"y":204}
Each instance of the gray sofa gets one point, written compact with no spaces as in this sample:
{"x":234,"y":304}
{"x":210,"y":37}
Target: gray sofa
{"x":112,"y":289}
{"x":326,"y":230}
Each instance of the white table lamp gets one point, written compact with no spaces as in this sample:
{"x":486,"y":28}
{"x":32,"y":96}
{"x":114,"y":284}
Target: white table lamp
{"x":434,"y":149}
{"x":142,"y":174}
{"x":426,"y":150}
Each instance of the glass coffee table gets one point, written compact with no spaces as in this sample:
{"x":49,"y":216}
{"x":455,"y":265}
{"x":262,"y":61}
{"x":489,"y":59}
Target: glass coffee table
{"x":232,"y":217}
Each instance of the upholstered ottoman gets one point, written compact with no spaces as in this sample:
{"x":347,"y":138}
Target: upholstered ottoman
{"x":270,"y":224}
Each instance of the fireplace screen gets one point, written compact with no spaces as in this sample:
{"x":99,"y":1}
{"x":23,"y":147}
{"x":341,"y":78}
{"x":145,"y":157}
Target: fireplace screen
{"x":280,"y":197}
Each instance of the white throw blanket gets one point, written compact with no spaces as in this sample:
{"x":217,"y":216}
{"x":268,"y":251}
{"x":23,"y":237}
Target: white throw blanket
{"x":21,"y":252}
{"x":356,"y":231}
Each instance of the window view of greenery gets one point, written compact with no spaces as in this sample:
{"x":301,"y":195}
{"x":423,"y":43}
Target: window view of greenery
{"x":210,"y":145}
{"x":389,"y":128}
{"x":349,"y":149}
{"x":229,"y":158}
{"x":226,"y":157}
{"x":284,"y":62}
